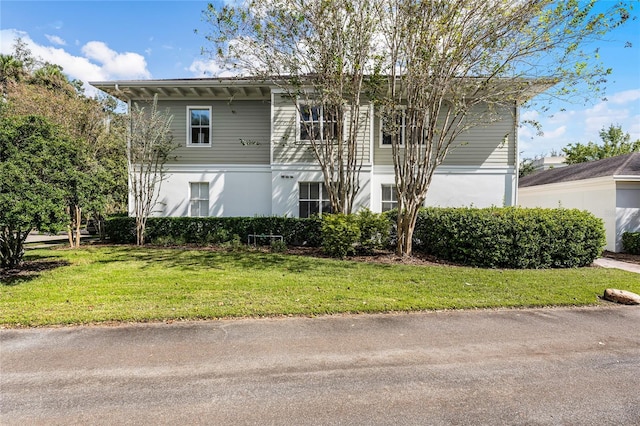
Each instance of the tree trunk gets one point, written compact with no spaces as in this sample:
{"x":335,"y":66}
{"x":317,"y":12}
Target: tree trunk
{"x":12,"y":247}
{"x":406,"y":224}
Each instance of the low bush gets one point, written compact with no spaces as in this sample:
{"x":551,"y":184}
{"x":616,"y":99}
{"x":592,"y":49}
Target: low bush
{"x":631,"y":242}
{"x":216,"y":230}
{"x":340,"y":234}
{"x":374,"y":231}
{"x":510,"y":237}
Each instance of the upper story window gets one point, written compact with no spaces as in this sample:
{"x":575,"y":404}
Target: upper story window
{"x":388,"y":131}
{"x":317,"y":123}
{"x":199,"y":126}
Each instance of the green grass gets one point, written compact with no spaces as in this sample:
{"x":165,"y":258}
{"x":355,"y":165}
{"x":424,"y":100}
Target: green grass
{"x":102,"y":284}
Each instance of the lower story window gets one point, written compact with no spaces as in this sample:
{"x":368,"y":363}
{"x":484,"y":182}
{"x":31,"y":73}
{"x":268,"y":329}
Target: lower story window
{"x":314,"y":199}
{"x":199,"y":199}
{"x":389,"y":199}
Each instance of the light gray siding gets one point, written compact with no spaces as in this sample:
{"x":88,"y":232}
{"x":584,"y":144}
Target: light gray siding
{"x":492,"y":144}
{"x":288,"y":150}
{"x":231,"y":124}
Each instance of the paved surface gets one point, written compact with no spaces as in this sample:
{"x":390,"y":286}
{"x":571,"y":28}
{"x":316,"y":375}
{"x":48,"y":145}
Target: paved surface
{"x":610,"y":263}
{"x":540,"y":366}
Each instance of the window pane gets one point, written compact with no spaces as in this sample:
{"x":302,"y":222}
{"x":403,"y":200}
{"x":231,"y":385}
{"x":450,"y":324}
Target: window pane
{"x":304,"y":191}
{"x":304,"y":134}
{"x":326,"y":207}
{"x":325,"y":194}
{"x":386,"y":192}
{"x":314,"y":191}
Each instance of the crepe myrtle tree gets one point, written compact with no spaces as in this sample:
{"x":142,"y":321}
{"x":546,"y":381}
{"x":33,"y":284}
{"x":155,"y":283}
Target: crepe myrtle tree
{"x":149,"y":147}
{"x":35,"y":170}
{"x":317,"y":52}
{"x":456,"y":64}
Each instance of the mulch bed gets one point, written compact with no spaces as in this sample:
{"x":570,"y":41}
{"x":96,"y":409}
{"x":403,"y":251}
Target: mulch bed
{"x":623,"y":257}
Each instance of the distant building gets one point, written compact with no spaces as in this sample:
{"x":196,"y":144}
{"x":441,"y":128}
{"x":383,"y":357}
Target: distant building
{"x":547,"y":163}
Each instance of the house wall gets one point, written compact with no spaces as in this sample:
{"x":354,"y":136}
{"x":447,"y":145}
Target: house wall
{"x":492,"y":144}
{"x":456,"y":186}
{"x":233,"y":190}
{"x":287,"y":149}
{"x":263,"y":178}
{"x":231,"y":121}
{"x":597,"y":196}
{"x":627,"y":209}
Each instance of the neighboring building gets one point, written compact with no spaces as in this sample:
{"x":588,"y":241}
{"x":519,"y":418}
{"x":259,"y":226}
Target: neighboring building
{"x":547,"y":163}
{"x":608,"y":188}
{"x":242,"y":153}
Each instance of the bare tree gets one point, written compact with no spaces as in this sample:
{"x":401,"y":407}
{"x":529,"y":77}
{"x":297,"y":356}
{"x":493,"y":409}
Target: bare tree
{"x":317,"y":52}
{"x":149,"y":146}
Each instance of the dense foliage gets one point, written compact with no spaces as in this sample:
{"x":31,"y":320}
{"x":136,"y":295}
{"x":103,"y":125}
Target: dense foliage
{"x":215,"y":230}
{"x":493,"y":237}
{"x":511,"y":237}
{"x":631,"y":242}
{"x":614,"y":142}
{"x":35,"y":175}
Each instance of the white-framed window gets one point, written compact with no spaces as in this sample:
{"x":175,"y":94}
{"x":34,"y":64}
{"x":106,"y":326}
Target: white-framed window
{"x":389,"y":199}
{"x":316,"y":124}
{"x":199,"y":199}
{"x":386,"y":131}
{"x":313,"y":199}
{"x":199,"y":126}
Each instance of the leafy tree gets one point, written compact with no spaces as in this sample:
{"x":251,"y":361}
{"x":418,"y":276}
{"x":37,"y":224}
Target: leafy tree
{"x":526,"y":167}
{"x":35,"y":168}
{"x":99,"y":166}
{"x":614,"y":142}
{"x":149,"y":146}
{"x":318,"y":53}
{"x":441,"y":66}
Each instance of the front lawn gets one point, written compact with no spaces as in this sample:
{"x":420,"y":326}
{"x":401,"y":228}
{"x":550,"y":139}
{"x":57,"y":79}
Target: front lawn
{"x":121,"y":283}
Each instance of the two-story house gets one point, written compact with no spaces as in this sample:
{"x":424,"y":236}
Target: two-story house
{"x":242,"y":152}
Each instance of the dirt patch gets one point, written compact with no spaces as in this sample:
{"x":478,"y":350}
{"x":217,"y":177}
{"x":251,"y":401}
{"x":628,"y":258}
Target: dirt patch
{"x":623,"y":257}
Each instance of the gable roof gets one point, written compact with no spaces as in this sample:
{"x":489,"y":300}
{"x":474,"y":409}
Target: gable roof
{"x":622,"y":165}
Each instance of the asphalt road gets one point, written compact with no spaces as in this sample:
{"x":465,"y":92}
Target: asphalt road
{"x":541,"y":366}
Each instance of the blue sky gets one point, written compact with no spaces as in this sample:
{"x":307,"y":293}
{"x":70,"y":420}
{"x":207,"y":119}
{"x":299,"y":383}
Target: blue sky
{"x":124,"y":40}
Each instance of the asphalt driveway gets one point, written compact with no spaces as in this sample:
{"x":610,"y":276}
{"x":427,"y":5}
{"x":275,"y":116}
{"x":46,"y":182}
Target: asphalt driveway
{"x":539,"y":366}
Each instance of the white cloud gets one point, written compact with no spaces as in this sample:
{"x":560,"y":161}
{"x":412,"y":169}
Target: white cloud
{"x":99,"y":62}
{"x":210,"y":68}
{"x":625,"y":97}
{"x":55,"y":39}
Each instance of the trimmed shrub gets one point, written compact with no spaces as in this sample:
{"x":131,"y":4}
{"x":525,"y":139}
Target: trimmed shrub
{"x":340,"y":234}
{"x":374,"y":231}
{"x":510,"y":237}
{"x":631,"y":242}
{"x":216,"y":230}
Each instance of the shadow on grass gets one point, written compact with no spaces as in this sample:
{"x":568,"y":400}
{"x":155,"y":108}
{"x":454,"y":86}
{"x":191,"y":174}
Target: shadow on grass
{"x":205,"y":258}
{"x":29,"y":270}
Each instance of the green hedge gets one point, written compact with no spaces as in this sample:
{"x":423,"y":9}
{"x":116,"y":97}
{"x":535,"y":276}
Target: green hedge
{"x":510,"y":237}
{"x":631,"y":242}
{"x":213,"y":230}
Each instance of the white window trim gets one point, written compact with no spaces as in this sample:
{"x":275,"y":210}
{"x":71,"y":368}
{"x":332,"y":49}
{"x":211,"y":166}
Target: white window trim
{"x":321,"y":116}
{"x":393,"y":192}
{"x":199,"y":145}
{"x":320,"y":199}
{"x":403,"y":133}
{"x":192,"y":198}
